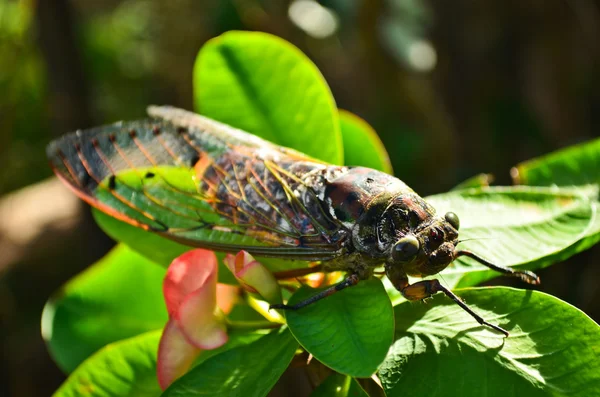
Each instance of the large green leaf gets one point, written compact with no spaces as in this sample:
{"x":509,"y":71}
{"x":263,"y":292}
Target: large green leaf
{"x":349,"y":331}
{"x":122,"y":369}
{"x":246,"y":371}
{"x":128,"y":367}
{"x":362,"y":145}
{"x":118,"y":297}
{"x":521,"y":227}
{"x":264,"y":85}
{"x":553,"y":348}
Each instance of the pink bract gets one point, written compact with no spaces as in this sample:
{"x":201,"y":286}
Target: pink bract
{"x":195,"y":322}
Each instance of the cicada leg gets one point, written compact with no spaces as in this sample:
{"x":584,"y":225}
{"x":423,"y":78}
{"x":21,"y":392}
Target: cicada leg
{"x":426,"y":288}
{"x":350,"y":281}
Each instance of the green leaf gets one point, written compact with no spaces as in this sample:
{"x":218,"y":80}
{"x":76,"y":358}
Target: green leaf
{"x":250,"y":370}
{"x":575,"y":165}
{"x":118,"y":297}
{"x":521,"y":227}
{"x":339,"y":330}
{"x":125,"y":368}
{"x":362,"y":145}
{"x":363,"y":387}
{"x":440,"y":350}
{"x":336,"y":385}
{"x":128,"y":367}
{"x":264,"y":85}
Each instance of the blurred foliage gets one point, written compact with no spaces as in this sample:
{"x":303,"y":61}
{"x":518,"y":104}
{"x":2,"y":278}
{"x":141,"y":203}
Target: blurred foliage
{"x":510,"y":80}
{"x":120,"y":54}
{"x":22,"y":83}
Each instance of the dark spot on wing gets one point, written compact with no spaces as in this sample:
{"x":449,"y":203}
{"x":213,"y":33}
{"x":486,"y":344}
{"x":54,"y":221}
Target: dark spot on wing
{"x":149,"y":175}
{"x":194,"y":159}
{"x":85,"y":179}
{"x":112,"y":184}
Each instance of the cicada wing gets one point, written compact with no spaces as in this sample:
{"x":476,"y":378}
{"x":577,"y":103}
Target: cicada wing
{"x":197,"y":182}
{"x":92,"y":161}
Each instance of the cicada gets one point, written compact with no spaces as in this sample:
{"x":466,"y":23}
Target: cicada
{"x":205,"y":184}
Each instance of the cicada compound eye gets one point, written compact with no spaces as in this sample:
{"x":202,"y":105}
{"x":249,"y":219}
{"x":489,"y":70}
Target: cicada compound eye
{"x":452,"y":219}
{"x":406,"y":249}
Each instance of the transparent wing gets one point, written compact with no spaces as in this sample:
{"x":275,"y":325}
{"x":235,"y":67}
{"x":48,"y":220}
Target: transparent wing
{"x":200,"y":183}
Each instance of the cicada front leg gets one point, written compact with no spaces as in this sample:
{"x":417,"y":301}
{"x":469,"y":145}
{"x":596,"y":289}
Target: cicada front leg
{"x":426,"y":288}
{"x":349,"y":281}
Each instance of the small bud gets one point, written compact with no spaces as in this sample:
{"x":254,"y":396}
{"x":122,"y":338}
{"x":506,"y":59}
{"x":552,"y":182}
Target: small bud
{"x":253,"y":276}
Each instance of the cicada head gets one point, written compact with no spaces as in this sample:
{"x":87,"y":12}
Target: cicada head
{"x":428,"y":250}
{"x":404,"y":230}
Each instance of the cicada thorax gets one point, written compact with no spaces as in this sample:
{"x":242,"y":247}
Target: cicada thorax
{"x":379,"y":210}
{"x":363,"y":200}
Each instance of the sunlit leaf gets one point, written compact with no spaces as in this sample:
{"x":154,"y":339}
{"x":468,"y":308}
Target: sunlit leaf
{"x":440,"y":350}
{"x":264,"y":85}
{"x":575,"y":165}
{"x":521,"y":227}
{"x":122,"y":369}
{"x":340,"y":331}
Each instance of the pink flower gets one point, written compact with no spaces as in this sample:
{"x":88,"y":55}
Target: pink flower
{"x":195,"y":322}
{"x":253,"y":276}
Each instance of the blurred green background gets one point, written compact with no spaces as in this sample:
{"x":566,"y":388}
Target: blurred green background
{"x":454,"y":88}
